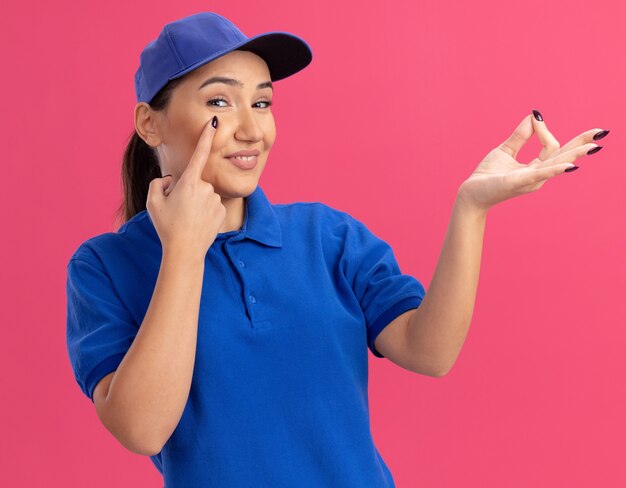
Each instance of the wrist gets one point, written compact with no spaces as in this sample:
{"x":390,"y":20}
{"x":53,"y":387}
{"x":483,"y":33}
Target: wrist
{"x":469,"y":206}
{"x":182,"y":256}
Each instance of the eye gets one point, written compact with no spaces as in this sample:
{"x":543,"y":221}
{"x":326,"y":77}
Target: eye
{"x":216,"y":100}
{"x":267,"y":103}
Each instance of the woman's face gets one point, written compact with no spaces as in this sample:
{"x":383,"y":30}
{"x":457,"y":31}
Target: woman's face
{"x":245,"y":121}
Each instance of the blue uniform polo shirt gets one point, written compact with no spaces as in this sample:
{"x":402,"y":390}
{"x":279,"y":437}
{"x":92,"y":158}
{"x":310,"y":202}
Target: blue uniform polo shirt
{"x":290,"y":304}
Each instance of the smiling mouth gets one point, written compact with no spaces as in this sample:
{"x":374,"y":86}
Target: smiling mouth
{"x":243,"y":158}
{"x":244,"y":162}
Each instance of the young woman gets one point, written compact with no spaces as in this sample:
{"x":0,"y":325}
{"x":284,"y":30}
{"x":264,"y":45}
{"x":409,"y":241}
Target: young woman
{"x":225,"y":336}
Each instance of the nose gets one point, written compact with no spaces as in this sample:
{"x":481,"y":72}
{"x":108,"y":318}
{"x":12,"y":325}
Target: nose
{"x":248,"y":128}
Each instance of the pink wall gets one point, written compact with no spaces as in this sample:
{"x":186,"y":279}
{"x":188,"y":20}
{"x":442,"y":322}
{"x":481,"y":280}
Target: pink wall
{"x":400,"y":103}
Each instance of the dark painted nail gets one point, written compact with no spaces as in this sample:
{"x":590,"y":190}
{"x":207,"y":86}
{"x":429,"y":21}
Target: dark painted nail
{"x":569,"y":170}
{"x":214,"y":122}
{"x":537,"y":115}
{"x":594,"y":150}
{"x":600,"y":135}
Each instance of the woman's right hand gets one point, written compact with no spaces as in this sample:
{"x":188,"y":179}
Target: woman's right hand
{"x":187,"y":214}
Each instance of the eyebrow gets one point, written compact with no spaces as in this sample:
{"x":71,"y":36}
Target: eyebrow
{"x":233,"y":82}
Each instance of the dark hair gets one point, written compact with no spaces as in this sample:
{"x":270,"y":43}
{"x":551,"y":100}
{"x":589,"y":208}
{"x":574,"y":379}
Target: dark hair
{"x":140,"y":164}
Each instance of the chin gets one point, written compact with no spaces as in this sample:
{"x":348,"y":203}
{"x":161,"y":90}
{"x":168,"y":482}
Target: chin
{"x":239,"y":189}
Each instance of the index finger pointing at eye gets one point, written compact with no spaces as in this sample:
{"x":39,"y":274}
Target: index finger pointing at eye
{"x":203,"y":148}
{"x":548,"y":141}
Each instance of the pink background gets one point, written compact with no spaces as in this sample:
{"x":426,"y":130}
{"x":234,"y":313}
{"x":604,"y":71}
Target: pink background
{"x":401,"y":102}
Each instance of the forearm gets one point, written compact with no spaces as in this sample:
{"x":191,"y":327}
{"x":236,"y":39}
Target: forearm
{"x":150,"y":388}
{"x":438,"y":328}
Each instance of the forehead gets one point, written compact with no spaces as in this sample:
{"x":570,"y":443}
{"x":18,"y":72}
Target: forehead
{"x":242,"y":65}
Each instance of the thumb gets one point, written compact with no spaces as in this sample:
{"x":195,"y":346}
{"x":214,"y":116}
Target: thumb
{"x":519,"y":137}
{"x":168,"y":184}
{"x":158,"y":187}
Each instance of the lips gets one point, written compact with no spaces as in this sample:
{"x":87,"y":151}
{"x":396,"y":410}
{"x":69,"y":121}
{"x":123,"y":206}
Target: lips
{"x":245,"y":152}
{"x":243,"y":164}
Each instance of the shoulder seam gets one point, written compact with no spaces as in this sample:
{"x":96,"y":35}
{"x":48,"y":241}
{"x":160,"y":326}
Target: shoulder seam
{"x":100,"y":271}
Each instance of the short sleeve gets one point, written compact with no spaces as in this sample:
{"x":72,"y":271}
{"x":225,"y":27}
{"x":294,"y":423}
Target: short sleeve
{"x":383,"y":291}
{"x":100,"y":329}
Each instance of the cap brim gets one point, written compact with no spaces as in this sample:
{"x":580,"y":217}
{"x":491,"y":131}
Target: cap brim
{"x":284,"y":53}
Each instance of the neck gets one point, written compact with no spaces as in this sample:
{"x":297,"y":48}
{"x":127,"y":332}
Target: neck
{"x":235,"y":213}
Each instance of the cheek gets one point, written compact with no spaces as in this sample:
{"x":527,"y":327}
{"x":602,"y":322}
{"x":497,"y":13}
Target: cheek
{"x":269,"y":136}
{"x":182,"y":146}
{"x":218,"y":145}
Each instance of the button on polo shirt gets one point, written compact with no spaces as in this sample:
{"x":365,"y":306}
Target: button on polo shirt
{"x":290,"y":304}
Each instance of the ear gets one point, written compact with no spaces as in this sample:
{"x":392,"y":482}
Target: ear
{"x":146,"y":124}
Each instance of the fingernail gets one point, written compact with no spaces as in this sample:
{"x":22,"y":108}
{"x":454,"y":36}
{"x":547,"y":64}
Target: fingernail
{"x":594,"y":150}
{"x":537,"y":115}
{"x":569,"y":170}
{"x":214,"y":122}
{"x":600,"y":135}
{"x":164,"y":176}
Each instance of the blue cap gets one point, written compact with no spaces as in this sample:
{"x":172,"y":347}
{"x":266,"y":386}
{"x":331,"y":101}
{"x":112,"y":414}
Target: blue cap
{"x":190,"y":42}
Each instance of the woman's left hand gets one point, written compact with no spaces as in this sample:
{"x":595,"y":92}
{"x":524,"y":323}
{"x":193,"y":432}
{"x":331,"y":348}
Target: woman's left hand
{"x":499,"y":176}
